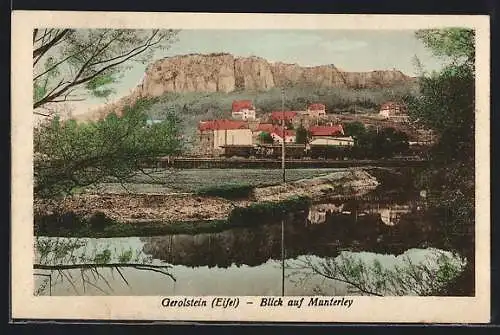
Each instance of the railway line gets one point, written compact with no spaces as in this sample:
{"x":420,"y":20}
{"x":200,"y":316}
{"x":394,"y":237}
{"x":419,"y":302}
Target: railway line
{"x":271,"y":163}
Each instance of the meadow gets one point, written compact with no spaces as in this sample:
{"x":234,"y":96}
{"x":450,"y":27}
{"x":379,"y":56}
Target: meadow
{"x":199,"y":180}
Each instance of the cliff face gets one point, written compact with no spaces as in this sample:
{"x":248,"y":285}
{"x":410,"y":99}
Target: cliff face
{"x":226,"y":73}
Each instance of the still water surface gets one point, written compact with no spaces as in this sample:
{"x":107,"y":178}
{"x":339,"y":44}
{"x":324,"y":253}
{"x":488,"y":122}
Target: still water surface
{"x":246,"y":260}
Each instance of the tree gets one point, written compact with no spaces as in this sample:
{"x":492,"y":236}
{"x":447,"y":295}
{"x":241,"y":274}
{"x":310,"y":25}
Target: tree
{"x":69,"y":155}
{"x":266,"y":138}
{"x":457,"y":44}
{"x":384,"y":143}
{"x":69,"y":64}
{"x":354,"y":129}
{"x":389,"y":142}
{"x":302,"y":135}
{"x":74,"y":64}
{"x":446,"y":104}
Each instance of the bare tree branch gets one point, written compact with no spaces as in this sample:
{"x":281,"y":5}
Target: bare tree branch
{"x":40,"y":51}
{"x":60,"y":62}
{"x":35,"y":32}
{"x":54,"y":93}
{"x":130,"y":52}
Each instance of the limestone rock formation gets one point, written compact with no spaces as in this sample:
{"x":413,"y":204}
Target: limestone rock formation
{"x":224,"y":72}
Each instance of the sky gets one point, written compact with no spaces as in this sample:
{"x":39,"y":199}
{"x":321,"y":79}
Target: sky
{"x":349,"y":50}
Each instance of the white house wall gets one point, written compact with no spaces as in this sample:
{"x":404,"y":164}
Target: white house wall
{"x":232,"y":137}
{"x":333,"y":141}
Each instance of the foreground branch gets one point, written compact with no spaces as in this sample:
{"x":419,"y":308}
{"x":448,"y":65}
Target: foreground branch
{"x":137,"y":266}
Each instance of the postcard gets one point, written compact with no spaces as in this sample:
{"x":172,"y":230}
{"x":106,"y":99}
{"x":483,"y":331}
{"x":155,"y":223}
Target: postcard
{"x":250,"y":167}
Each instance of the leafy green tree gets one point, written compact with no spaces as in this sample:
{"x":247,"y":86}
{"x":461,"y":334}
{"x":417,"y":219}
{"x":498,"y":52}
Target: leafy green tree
{"x":456,"y":44}
{"x":70,"y":154}
{"x":390,"y":142}
{"x":76,"y":64}
{"x":386,"y":142}
{"x":302,"y":135}
{"x":265,"y":137}
{"x":446,"y":104}
{"x":354,"y":129}
{"x":71,"y":64}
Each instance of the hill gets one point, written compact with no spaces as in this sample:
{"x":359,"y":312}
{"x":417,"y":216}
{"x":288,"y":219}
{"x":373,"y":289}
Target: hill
{"x":226,"y":75}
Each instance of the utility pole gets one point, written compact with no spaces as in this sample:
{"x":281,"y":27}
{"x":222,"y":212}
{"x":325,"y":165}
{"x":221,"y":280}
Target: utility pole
{"x":284,"y":180}
{"x":283,"y":132}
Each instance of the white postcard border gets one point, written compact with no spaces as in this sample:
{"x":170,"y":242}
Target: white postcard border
{"x":364,"y":309}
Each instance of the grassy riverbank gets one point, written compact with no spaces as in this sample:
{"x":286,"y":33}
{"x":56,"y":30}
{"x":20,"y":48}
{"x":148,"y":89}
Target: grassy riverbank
{"x":100,"y":226}
{"x":209,"y":209}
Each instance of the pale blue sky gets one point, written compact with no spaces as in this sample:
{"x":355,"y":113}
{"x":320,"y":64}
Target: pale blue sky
{"x":349,"y":50}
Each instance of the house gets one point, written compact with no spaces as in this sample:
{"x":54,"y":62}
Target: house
{"x":260,"y":128}
{"x":277,"y":135}
{"x":392,"y":109}
{"x":279,"y":116}
{"x":333,"y":141}
{"x":215,"y":134}
{"x":267,"y":127}
{"x":316,"y":110}
{"x":322,"y":131}
{"x":243,"y":110}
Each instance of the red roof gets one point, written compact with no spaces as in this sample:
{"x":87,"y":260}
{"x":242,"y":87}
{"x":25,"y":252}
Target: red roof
{"x":317,"y":107}
{"x":278,"y":131}
{"x":288,"y":115}
{"x":326,"y":130}
{"x":222,"y":125}
{"x":268,"y":127}
{"x":240,"y":104}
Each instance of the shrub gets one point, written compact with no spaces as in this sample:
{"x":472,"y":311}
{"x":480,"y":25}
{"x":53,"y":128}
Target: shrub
{"x":98,"y":221}
{"x":228,"y":191}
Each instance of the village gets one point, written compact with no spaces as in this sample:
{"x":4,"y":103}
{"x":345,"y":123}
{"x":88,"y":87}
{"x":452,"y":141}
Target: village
{"x":312,"y":127}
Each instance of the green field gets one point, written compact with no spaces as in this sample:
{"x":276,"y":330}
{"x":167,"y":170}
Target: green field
{"x":193,"y":180}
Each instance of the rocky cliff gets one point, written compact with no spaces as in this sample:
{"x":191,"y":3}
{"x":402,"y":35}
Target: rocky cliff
{"x":227,"y":73}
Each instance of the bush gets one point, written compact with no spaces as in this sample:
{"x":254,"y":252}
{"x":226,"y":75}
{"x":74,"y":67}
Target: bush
{"x":57,"y":222}
{"x":228,"y":191}
{"x":99,"y":221}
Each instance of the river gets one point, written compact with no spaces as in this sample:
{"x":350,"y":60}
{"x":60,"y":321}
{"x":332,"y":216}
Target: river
{"x":332,"y":239}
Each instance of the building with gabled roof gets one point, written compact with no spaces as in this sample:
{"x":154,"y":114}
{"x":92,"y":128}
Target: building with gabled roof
{"x":319,"y":131}
{"x":289,"y":135}
{"x":391,"y":109}
{"x":243,"y":110}
{"x":221,"y":125}
{"x":215,"y":134}
{"x":316,"y":110}
{"x":286,"y":115}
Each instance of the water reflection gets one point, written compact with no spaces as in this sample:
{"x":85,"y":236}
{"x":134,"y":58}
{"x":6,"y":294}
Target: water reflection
{"x":417,"y":272}
{"x":390,"y":214}
{"x":247,"y":260}
{"x":324,"y":231}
